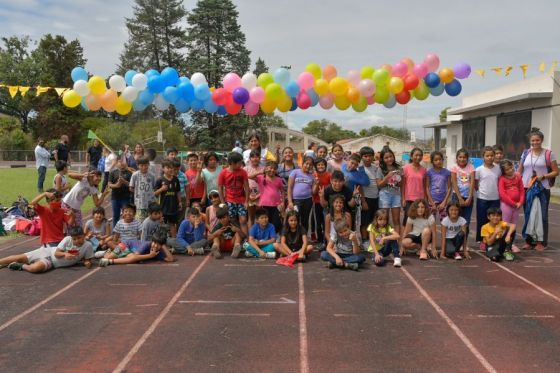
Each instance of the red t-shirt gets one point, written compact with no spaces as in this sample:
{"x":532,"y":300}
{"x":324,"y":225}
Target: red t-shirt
{"x":324,"y":181}
{"x":52,"y":223}
{"x":195,"y":190}
{"x":511,"y":190}
{"x":233,"y":182}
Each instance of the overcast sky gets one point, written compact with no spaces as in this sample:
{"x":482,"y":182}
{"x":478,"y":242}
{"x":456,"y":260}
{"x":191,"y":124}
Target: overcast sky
{"x":346,"y":34}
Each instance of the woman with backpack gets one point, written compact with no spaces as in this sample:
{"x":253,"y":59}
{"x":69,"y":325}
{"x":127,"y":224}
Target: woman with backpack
{"x":538,"y":164}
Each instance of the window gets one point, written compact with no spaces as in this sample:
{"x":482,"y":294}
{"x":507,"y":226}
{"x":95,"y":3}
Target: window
{"x":454,"y":144}
{"x":474,"y":131}
{"x":512,"y":133}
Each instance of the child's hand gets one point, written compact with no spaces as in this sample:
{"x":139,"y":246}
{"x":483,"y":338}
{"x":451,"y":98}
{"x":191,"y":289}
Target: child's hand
{"x":164,"y":187}
{"x":190,"y":251}
{"x":441,"y":206}
{"x":339,"y":261}
{"x":352,"y":236}
{"x":518,"y":205}
{"x":69,"y":256}
{"x":498,"y":231}
{"x":356,"y":191}
{"x":200,"y":165}
{"x":508,"y":238}
{"x":377,"y":258}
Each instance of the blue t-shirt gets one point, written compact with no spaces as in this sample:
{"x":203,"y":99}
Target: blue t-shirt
{"x":142,"y":248}
{"x":260,"y":233}
{"x":187,"y":234}
{"x":355,"y":177}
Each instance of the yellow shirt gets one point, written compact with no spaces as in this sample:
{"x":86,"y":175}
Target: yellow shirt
{"x":488,"y":230}
{"x":378,"y":233}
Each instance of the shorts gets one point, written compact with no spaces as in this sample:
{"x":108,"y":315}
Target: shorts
{"x":226,"y":245}
{"x":236,"y":209}
{"x":367,"y":215}
{"x":170,"y":219}
{"x":42,"y":255}
{"x":416,"y":239}
{"x":122,"y":253}
{"x":389,"y":200}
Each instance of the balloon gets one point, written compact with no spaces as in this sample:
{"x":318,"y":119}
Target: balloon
{"x":197,"y":105}
{"x":79,"y":73}
{"x":294,"y":104}
{"x":219,"y":96}
{"x":221,"y":110}
{"x":97,"y":85}
{"x":170,"y":76}
{"x":130,"y":94}
{"x":123,"y":107}
{"x":321,"y":86}
{"x":410,"y":81}
{"x":313,"y":96}
{"x":273,"y":91}
{"x":186,"y":91}
{"x":422,"y":91}
{"x":248,"y":81}
{"x":202,"y":92}
{"x":257,"y":95}
{"x":109,"y":100}
{"x":71,"y":98}
{"x":264,"y":79}
{"x":432,"y":62}
{"x":360,"y":105}
{"x":446,"y":75}
{"x":353,"y":94}
{"x":399,"y":69}
{"x":409,"y":64}
{"x":145,"y":98}
{"x":251,"y":108}
{"x":198,"y":78}
{"x":117,"y":83}
{"x":403,"y":97}
{"x":268,"y":106}
{"x":342,"y":102}
{"x":396,"y":85}
{"x":326,"y":101}
{"x":210,"y":106}
{"x":314,"y":69}
{"x":420,"y":70}
{"x":329,"y":72}
{"x":370,"y":100}
{"x":381,"y":77}
{"x":367,"y":72}
{"x":240,"y":95}
{"x":303,"y":100}
{"x":285,"y":103}
{"x":152,"y":72}
{"x":462,"y":71}
{"x":128,"y":76}
{"x":282,"y":76}
{"x":353,"y":77}
{"x":182,"y":105}
{"x":381,"y":95}
{"x":231,"y":81}
{"x":438,"y":90}
{"x":292,"y":89}
{"x":432,"y":80}
{"x":140,"y":81}
{"x":367,"y":87}
{"x":160,"y":103}
{"x":93,"y":102}
{"x":453,"y":88}
{"x":184,"y":79}
{"x":83,"y":104}
{"x":305,"y":81}
{"x":391,"y":102}
{"x":138,"y":106}
{"x":81,"y":87}
{"x":338,"y":86}
{"x":233,"y":108}
{"x":387,"y":67}
{"x":155,"y":84}
{"x":170,"y":94}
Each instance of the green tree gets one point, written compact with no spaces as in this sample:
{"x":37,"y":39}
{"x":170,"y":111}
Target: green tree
{"x":398,"y":133}
{"x":443,"y":114}
{"x":327,"y":131}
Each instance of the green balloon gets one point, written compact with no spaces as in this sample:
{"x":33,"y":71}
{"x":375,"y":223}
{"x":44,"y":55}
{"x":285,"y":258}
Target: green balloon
{"x":422,"y":91}
{"x":381,"y":77}
{"x":265,"y":79}
{"x":381,"y":94}
{"x":360,"y":105}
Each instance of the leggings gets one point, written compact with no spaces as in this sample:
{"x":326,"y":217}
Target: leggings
{"x":304,"y":207}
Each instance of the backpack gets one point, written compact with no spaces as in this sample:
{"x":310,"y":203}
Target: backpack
{"x":548,"y":160}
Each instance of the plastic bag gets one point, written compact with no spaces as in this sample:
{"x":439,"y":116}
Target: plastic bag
{"x":288,"y":261}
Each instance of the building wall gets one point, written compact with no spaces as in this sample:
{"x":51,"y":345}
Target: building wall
{"x":491,"y":130}
{"x":377,"y":143}
{"x":451,"y":150}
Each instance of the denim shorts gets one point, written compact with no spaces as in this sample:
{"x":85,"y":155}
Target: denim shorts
{"x":389,"y":199}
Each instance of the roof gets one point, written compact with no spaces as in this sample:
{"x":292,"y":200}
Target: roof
{"x":351,"y":141}
{"x":344,"y":141}
{"x":439,"y":124}
{"x":503,"y":101}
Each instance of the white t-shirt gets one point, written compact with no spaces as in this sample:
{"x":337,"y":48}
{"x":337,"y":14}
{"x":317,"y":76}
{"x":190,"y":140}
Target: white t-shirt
{"x":453,"y":227}
{"x":86,"y":252}
{"x":109,"y":161}
{"x":373,"y":172}
{"x":419,"y":224}
{"x":488,"y":182}
{"x":79,"y":192}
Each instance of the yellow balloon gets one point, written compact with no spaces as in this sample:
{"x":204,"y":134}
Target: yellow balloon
{"x":367,"y":72}
{"x":97,"y":85}
{"x":338,"y":86}
{"x":274,"y":91}
{"x":321,"y":87}
{"x":285,"y":103}
{"x":265,"y":79}
{"x":314,"y":69}
{"x":268,"y":106}
{"x":123,"y":107}
{"x":446,"y":75}
{"x":396,"y":85}
{"x":342,"y":102}
{"x":71,"y":98}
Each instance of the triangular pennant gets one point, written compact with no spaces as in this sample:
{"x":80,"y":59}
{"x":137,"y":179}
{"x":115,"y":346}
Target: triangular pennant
{"x":13,"y":89}
{"x":553,"y":67}
{"x":508,"y":70}
{"x":542,"y":67}
{"x":91,"y":135}
{"x":524,"y":68}
{"x":60,"y":91}
{"x":23,"y":90}
{"x":481,"y":72}
{"x":41,"y":90}
{"x":497,"y":70}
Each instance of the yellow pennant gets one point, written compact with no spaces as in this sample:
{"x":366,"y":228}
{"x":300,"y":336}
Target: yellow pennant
{"x":60,"y":91}
{"x":13,"y":89}
{"x":508,"y":70}
{"x":481,"y":72}
{"x":23,"y":90}
{"x":541,"y":67}
{"x":497,"y":70}
{"x":41,"y":90}
{"x":553,"y":67}
{"x":524,"y":68}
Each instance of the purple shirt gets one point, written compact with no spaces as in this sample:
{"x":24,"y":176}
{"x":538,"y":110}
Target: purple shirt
{"x":438,"y":181}
{"x":303,"y":184}
{"x":536,"y":163}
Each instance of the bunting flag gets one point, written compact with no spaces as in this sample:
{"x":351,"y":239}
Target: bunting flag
{"x":23,"y":90}
{"x":481,"y":72}
{"x":41,"y":90}
{"x":497,"y":70}
{"x":13,"y":89}
{"x":60,"y":91}
{"x":541,"y":67}
{"x":92,"y":136}
{"x":524,"y":69}
{"x":508,"y":70}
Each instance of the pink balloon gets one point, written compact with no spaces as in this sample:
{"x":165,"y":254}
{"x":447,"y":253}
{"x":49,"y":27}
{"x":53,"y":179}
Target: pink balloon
{"x":399,"y":69}
{"x":251,"y":108}
{"x":306,"y":80}
{"x":231,"y":81}
{"x":420,"y":70}
{"x":367,"y":87}
{"x":303,"y":101}
{"x":432,"y":62}
{"x":326,"y":101}
{"x":257,"y":95}
{"x":370,"y":100}
{"x":354,"y":77}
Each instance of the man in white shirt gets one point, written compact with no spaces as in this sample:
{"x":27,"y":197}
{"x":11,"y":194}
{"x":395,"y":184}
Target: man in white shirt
{"x":42,"y":157}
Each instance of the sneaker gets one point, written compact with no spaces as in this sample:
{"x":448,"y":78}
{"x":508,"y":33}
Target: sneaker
{"x":482,"y":246}
{"x":527,"y":246}
{"x":458,"y":256}
{"x":397,"y":262}
{"x":104,"y":262}
{"x":270,"y":255}
{"x":15,"y":266}
{"x":216,"y":252}
{"x":352,"y":266}
{"x":330,"y":265}
{"x":236,"y":251}
{"x":99,"y":254}
{"x":539,"y":246}
{"x":198,"y":251}
{"x":248,"y":254}
{"x":509,"y":256}
{"x":172,"y":251}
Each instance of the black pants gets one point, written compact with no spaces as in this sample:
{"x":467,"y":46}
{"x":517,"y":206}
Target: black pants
{"x":105,"y":181}
{"x":304,"y":207}
{"x":320,"y":219}
{"x":453,"y":245}
{"x":406,"y":207}
{"x":274,"y":217}
{"x":497,"y":249}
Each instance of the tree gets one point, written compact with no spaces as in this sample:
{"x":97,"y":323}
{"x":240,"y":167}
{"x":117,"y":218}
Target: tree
{"x":398,"y":133}
{"x":327,"y":131}
{"x":443,"y":114}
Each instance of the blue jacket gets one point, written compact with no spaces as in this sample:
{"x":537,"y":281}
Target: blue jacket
{"x":188,"y":234}
{"x":355,"y":177}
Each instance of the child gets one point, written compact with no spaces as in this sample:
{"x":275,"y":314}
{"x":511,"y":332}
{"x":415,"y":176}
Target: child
{"x":322,"y":181}
{"x":420,"y":230}
{"x":271,"y":189}
{"x":153,"y":168}
{"x":183,"y":189}
{"x":233,"y":186}
{"x":119,"y":182}
{"x":337,"y":158}
{"x":498,"y":236}
{"x":300,"y":191}
{"x":412,"y":186}
{"x":152,"y":223}
{"x":128,"y":228}
{"x":498,"y":154}
{"x":462,"y":181}
{"x":371,"y":192}
{"x":294,"y":237}
{"x":168,"y":188}
{"x":226,"y":236}
{"x":142,"y":186}
{"x":129,"y":252}
{"x":353,"y":175}
{"x":337,"y":187}
{"x":98,"y":229}
{"x":60,"y":183}
{"x":211,"y":210}
{"x":487,"y":177}
{"x":383,"y":240}
{"x":262,"y":238}
{"x":71,"y":250}
{"x":191,"y":238}
{"x":438,"y":185}
{"x":344,"y":250}
{"x":110,"y":164}
{"x":253,"y":168}
{"x":286,"y":167}
{"x":197,"y":205}
{"x":209,"y":175}
{"x":53,"y":217}
{"x":454,"y":233}
{"x":512,"y":195}
{"x":390,"y":186}
{"x":336,"y":212}
{"x":197,"y":188}
{"x":322,"y":152}
{"x":87,"y":186}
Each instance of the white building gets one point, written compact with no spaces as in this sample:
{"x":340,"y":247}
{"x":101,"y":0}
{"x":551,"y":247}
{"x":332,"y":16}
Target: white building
{"x":377,"y":142}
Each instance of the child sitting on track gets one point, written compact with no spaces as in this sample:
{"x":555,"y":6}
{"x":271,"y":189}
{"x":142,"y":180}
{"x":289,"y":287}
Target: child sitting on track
{"x":454,"y":233}
{"x":262,"y":238}
{"x":498,"y":236}
{"x":191,"y":237}
{"x":420,"y":230}
{"x":294,"y":237}
{"x":127,"y":228}
{"x":226,"y":236}
{"x":344,"y":250}
{"x":383,"y":239}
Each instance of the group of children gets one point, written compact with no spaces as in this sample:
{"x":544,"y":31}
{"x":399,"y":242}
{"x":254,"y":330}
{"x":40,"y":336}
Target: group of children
{"x":341,"y":208}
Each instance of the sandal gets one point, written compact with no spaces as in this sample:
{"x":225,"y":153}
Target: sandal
{"x":423,"y":255}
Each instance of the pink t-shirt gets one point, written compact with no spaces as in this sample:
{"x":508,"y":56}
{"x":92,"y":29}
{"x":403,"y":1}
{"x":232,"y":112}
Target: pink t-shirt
{"x":271,"y":191}
{"x":414,"y":182}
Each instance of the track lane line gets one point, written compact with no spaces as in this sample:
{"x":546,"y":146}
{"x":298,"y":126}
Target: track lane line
{"x":303,"y":340}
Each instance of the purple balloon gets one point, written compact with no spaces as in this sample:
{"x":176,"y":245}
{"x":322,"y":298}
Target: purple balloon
{"x":240,"y":95}
{"x":462,"y":71}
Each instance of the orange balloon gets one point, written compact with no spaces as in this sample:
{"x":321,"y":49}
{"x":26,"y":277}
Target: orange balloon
{"x":329,"y":72}
{"x":387,"y":67}
{"x":408,"y":62}
{"x":446,"y":75}
{"x":109,"y":100}
{"x":353,"y":94}
{"x":93,"y":102}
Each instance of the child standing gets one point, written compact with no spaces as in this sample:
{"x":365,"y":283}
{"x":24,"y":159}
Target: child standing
{"x":390,"y":186}
{"x":60,"y":183}
{"x":498,"y":154}
{"x":53,"y":217}
{"x":337,"y":158}
{"x":184,"y":189}
{"x":294,"y":237}
{"x":486,"y":177}
{"x":87,"y":186}
{"x":233,"y":187}
{"x":152,"y":223}
{"x":197,"y":188}
{"x":300,"y":191}
{"x":262,"y":238}
{"x":119,"y":182}
{"x":142,"y":186}
{"x":168,"y":188}
{"x":413,"y":182}
{"x":463,"y":181}
{"x":129,"y":227}
{"x":209,"y":176}
{"x":454,"y":233}
{"x":498,"y":236}
{"x":371,"y":192}
{"x":226,"y":236}
{"x":322,"y":181}
{"x":383,"y":240}
{"x":420,"y":230}
{"x":272,"y":198}
{"x":344,"y":250}
{"x":512,"y":195}
{"x":438,"y":185}
{"x":253,"y":168}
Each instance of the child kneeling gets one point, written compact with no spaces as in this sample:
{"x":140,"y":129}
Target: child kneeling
{"x":498,"y":236}
{"x":262,"y":238}
{"x":344,"y":250}
{"x":225,"y":236}
{"x":383,"y":240}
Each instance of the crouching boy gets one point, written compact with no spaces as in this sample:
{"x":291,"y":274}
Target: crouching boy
{"x":191,"y":238}
{"x":225,"y":236}
{"x":344,"y":250}
{"x":498,"y":236}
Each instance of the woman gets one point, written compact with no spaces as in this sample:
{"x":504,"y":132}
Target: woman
{"x":540,"y":162}
{"x":131,"y":159}
{"x":255,"y":144}
{"x":287,"y":165}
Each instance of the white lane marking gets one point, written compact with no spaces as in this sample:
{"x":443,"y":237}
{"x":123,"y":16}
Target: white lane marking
{"x":233,"y":314}
{"x":122,"y":365}
{"x":250,"y":265}
{"x":345,"y":314}
{"x":281,"y":301}
{"x":399,"y":315}
{"x":96,"y":313}
{"x":128,"y":284}
{"x":147,"y":305}
{"x":55,"y":309}
{"x":46,"y":300}
{"x":540,"y":266}
{"x":515,"y":316}
{"x":451,"y":324}
{"x":303,"y":340}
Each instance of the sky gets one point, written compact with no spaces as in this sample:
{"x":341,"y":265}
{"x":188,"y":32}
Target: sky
{"x":346,"y":34}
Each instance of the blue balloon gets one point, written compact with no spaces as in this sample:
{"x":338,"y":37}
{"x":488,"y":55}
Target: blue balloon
{"x":221,"y":110}
{"x":171,"y":95}
{"x":83,"y":103}
{"x":432,"y":80}
{"x":294,"y":104}
{"x":453,"y":88}
{"x":128,"y":77}
{"x":313,"y":96}
{"x":79,"y":73}
{"x":202,"y":92}
{"x":210,"y":106}
{"x":437,"y":91}
{"x":182,"y":105}
{"x":282,"y":76}
{"x":145,"y":98}
{"x":197,"y":105}
{"x":292,"y":89}
{"x":184,"y":79}
{"x":151,"y":72}
{"x":186,"y":91}
{"x":155,"y":84}
{"x":138,"y":105}
{"x":170,"y":76}
{"x":391,"y":102}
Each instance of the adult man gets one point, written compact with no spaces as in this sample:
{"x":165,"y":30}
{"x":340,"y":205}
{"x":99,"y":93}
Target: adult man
{"x":93,"y":154}
{"x":42,"y":157}
{"x":62,"y":150}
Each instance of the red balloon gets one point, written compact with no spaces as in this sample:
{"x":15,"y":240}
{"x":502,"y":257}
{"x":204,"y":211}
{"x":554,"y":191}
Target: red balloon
{"x":411,"y":81}
{"x":403,"y":97}
{"x":303,"y":101}
{"x":219,"y":96}
{"x":233,"y":108}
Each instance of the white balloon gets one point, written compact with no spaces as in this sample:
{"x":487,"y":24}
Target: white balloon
{"x":248,"y":81}
{"x":140,"y":81}
{"x":198,"y":78}
{"x":160,"y":103}
{"x":117,"y":83}
{"x":81,"y":87}
{"x":130,"y":94}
